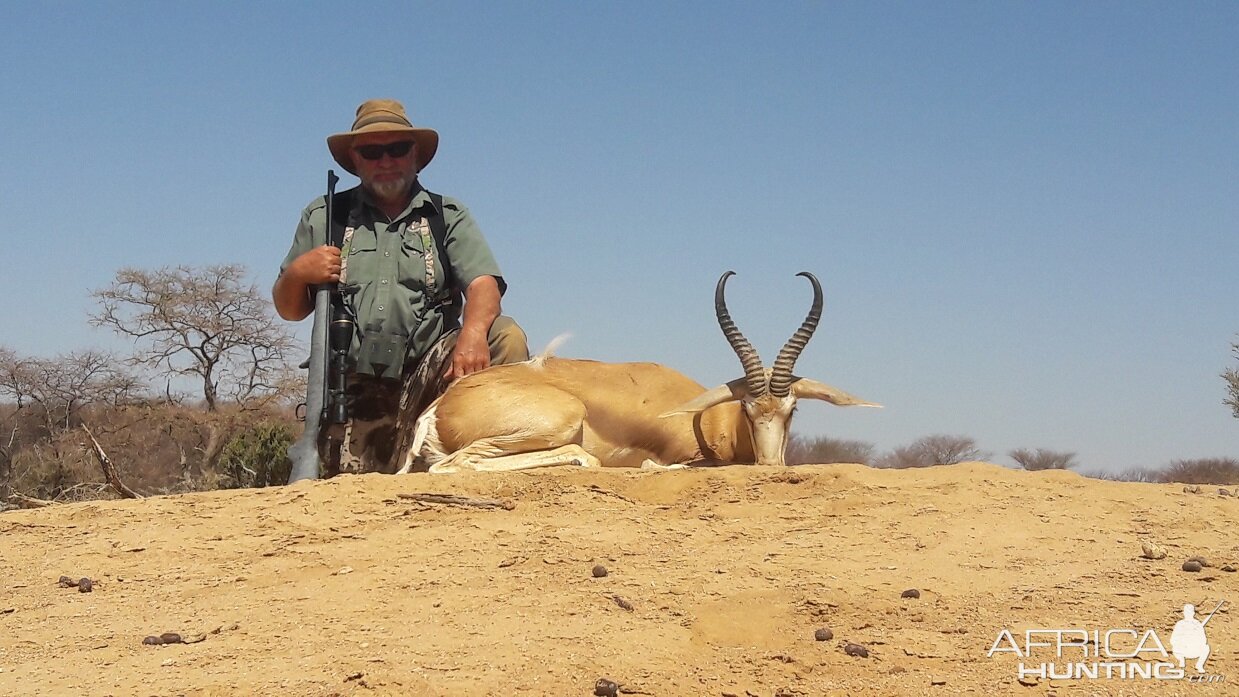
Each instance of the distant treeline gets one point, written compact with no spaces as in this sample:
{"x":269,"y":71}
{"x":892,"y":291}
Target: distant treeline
{"x":213,"y":334}
{"x":948,"y":450}
{"x":203,"y":401}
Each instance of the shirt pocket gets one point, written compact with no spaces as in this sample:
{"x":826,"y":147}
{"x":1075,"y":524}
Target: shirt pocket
{"x":412,"y":270}
{"x":362,"y":260}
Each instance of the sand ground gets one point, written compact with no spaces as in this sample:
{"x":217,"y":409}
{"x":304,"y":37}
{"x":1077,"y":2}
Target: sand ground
{"x":351,"y":587}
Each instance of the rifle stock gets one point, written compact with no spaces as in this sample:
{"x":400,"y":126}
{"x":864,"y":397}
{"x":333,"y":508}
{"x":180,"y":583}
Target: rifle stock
{"x":323,"y":401}
{"x":304,"y":453}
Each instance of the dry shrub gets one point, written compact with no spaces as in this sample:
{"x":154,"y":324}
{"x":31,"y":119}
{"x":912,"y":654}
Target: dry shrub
{"x":157,"y":448}
{"x":933,"y":450}
{"x":823,"y":451}
{"x":1131,"y":474}
{"x":1043,"y":459}
{"x":1211,"y":470}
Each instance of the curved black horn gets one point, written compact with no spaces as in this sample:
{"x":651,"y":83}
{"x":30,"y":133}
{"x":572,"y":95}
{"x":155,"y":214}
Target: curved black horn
{"x":781,"y":373}
{"x":754,"y":374}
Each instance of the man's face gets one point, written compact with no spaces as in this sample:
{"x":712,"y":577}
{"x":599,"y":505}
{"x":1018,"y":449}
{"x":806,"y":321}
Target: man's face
{"x":389,"y":177}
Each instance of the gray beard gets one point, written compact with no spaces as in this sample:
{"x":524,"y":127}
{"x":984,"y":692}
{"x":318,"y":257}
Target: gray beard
{"x":391,"y":190}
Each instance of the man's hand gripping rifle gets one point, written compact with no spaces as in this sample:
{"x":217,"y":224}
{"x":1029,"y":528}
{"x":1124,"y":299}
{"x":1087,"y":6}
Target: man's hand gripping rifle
{"x":327,"y":383}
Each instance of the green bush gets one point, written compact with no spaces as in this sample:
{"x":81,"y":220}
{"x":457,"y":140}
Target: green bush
{"x":257,"y":456}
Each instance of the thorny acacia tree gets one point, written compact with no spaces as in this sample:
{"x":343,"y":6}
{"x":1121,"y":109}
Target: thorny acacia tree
{"x":1232,"y":383}
{"x":209,"y":325}
{"x":933,"y":450}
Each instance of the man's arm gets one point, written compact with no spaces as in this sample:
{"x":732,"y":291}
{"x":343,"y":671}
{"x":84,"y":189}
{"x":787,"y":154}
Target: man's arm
{"x":472,"y":353}
{"x":291,"y":293}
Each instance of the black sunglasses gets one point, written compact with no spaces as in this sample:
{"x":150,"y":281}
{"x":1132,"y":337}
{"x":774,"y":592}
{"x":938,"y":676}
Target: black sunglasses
{"x":392,"y":150}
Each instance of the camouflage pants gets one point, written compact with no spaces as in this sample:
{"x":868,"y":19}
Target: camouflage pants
{"x":375,"y":406}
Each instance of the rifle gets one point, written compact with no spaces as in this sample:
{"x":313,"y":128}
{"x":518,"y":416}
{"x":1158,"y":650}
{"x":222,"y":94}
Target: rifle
{"x":325,"y":397}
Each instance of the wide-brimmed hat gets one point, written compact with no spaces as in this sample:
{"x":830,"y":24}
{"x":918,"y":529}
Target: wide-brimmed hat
{"x":382,"y":116}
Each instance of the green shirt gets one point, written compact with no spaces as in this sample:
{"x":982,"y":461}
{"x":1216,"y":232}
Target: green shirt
{"x":386,"y":263}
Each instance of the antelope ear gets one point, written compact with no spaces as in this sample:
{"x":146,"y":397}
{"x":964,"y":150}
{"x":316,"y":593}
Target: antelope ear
{"x":805,"y":388}
{"x":733,"y":391}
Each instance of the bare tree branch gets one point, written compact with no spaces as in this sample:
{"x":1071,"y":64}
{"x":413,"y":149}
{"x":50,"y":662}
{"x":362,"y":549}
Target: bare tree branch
{"x":206,"y":323}
{"x":1231,"y":376}
{"x":109,"y":470}
{"x":24,"y":501}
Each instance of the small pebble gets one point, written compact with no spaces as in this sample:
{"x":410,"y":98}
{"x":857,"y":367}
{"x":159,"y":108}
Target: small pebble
{"x":1229,"y":568}
{"x":910,"y":593}
{"x":1149,"y":550}
{"x":856,"y":650}
{"x":1200,"y":560}
{"x":84,"y":586}
{"x":606,"y":688}
{"x":1191,"y":489}
{"x":599,"y":571}
{"x":152,"y":641}
{"x":170,"y":638}
{"x":1192,"y":565}
{"x":823,"y":634}
{"x":1223,"y":492}
{"x":66,"y":582}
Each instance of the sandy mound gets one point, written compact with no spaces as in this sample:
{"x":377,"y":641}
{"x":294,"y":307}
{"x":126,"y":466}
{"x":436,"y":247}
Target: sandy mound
{"x":349,"y":587}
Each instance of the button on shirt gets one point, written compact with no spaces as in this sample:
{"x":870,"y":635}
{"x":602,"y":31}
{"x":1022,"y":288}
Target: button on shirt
{"x":386,"y":261}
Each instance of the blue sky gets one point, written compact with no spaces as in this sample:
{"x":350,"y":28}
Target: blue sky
{"x":1023,"y":214}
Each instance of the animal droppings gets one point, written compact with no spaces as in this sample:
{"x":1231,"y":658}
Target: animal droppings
{"x":1192,"y":565}
{"x":599,"y":571}
{"x":856,"y":650}
{"x":910,"y":593}
{"x":823,"y":634}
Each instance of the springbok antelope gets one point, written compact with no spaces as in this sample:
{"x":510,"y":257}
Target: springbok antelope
{"x":552,"y":411}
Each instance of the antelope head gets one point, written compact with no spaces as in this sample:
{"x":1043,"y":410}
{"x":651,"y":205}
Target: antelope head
{"x":768,"y":397}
